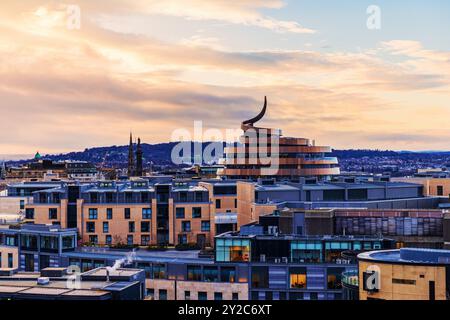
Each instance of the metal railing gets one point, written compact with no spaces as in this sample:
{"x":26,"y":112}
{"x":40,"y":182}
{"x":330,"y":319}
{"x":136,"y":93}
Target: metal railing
{"x":350,"y":278}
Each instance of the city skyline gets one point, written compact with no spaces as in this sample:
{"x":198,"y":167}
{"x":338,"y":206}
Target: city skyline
{"x":156,"y":68}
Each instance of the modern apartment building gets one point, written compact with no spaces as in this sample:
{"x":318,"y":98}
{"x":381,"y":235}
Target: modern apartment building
{"x":264,"y":196}
{"x":160,"y":211}
{"x":265,"y":152}
{"x":137,"y":212}
{"x":293,"y":267}
{"x":31,"y":247}
{"x":425,"y":228}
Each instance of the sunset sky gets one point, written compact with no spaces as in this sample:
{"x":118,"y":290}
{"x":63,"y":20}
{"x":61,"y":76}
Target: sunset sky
{"x":155,"y":66}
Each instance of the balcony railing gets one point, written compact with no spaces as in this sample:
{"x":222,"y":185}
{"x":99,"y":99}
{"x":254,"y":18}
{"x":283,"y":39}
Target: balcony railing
{"x":350,"y":278}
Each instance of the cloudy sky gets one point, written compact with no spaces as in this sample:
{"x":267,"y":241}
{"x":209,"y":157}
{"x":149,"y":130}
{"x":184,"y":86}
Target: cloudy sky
{"x":154,"y":66}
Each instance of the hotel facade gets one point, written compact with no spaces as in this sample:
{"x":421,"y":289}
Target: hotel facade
{"x":264,"y":152}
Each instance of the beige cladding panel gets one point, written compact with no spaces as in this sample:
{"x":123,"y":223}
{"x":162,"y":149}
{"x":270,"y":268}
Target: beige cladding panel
{"x":194,"y":287}
{"x":5,"y":252}
{"x":416,"y":279}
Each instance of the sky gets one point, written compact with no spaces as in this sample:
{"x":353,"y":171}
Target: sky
{"x":84,"y":73}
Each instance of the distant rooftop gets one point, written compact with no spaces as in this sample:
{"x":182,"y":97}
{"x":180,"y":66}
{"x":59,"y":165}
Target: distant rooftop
{"x":174,"y":256}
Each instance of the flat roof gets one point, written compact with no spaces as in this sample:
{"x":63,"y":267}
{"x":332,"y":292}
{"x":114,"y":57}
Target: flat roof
{"x":169,"y":256}
{"x":411,"y":256}
{"x":119,"y":272}
{"x":238,"y":235}
{"x":86,"y":293}
{"x":276,"y":187}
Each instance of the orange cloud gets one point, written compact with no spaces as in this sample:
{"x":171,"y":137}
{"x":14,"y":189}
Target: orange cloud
{"x":67,"y":89}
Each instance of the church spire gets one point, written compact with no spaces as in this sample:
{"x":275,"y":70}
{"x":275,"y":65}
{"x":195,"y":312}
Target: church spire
{"x":139,"y":167}
{"x":131,"y":165}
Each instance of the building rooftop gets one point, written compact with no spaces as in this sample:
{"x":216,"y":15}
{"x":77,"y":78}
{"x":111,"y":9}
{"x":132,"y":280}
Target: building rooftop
{"x":239,"y":235}
{"x":172,"y":256}
{"x":93,"y":284}
{"x":408,"y":256}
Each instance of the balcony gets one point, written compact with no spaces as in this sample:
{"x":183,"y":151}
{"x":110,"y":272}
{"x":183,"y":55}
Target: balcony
{"x":350,"y":279}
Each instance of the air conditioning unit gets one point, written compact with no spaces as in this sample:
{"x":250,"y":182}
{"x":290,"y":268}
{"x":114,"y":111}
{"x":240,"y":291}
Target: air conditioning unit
{"x":43,"y":281}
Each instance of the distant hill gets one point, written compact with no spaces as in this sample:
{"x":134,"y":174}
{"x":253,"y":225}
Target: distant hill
{"x":117,"y":156}
{"x":160,"y":154}
{"x":361,"y":153}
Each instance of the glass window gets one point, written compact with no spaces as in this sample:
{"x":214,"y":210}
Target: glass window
{"x":260,"y":277}
{"x":180,"y":213}
{"x":187,"y":295}
{"x":108,"y":239}
{"x":198,"y":197}
{"x":194,"y":273}
{"x":99,"y":264}
{"x":130,"y":241}
{"x":127,"y":213}
{"x":235,"y":296}
{"x":233,"y":250}
{"x":206,"y":226}
{"x":131,"y":226}
{"x":196,"y":212}
{"x":309,"y":252}
{"x":93,"y":239}
{"x":145,"y":240}
{"x":183,"y":196}
{"x":85,"y":264}
{"x":182,"y":239}
{"x":29,"y":213}
{"x":146,"y":213}
{"x":334,"y":278}
{"x":29,"y":242}
{"x":227,"y":274}
{"x":159,"y":271}
{"x":49,"y":244}
{"x":105,"y":227}
{"x":68,"y":242}
{"x":186,"y":226}
{"x":93,"y":213}
{"x":145,"y":226}
{"x":217,"y":295}
{"x":90,"y":227}
{"x":211,"y":274}
{"x":202,"y":295}
{"x":52,"y":214}
{"x":162,"y":294}
{"x":150,"y":294}
{"x":10,"y":240}
{"x":218,"y":203}
{"x":109,"y":213}
{"x":297,"y":277}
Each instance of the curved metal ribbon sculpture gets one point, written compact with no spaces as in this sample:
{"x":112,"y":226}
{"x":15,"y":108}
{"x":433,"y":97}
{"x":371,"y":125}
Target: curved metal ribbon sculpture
{"x":250,"y":122}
